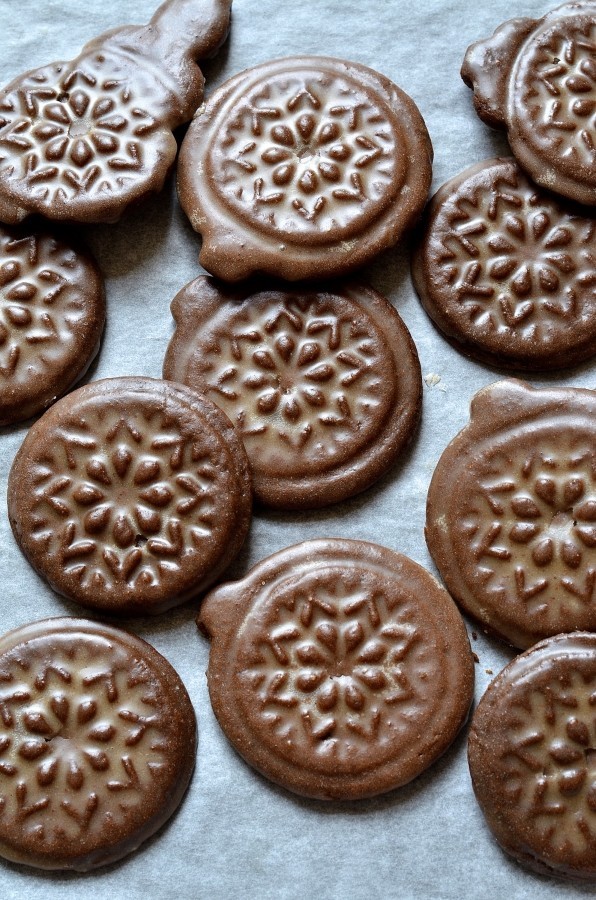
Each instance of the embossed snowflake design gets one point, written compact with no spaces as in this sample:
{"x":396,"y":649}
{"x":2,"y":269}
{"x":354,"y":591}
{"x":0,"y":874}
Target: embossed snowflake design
{"x":38,"y":311}
{"x":541,"y":528}
{"x":67,"y":133}
{"x":308,"y":153}
{"x":332,"y":668}
{"x":75,"y":735}
{"x":128,"y":505}
{"x":561,"y":93}
{"x":549,"y":754}
{"x":304,"y":373}
{"x":517,"y":262}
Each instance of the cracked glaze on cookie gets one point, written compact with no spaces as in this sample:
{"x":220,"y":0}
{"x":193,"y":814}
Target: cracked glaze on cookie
{"x":81,"y":140}
{"x":506,"y":271}
{"x":130,"y":495}
{"x":52,"y":313}
{"x":97,"y":743}
{"x":323,"y":385}
{"x":537,"y":78}
{"x":304,"y":168}
{"x":338,"y":668}
{"x":511,"y":512}
{"x":532,"y":754}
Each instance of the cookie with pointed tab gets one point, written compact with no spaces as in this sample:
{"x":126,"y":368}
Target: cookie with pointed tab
{"x":338,"y":669}
{"x":305,"y":167}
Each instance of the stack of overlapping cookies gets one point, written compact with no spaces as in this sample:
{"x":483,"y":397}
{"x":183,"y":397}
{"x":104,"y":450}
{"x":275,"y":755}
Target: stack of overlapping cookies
{"x":339,"y":668}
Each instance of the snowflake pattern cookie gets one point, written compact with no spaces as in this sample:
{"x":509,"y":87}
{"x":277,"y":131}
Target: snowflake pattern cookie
{"x":339,"y":669}
{"x":323,"y":385}
{"x":511,"y":512}
{"x":507,"y":272}
{"x":304,"y":167}
{"x":537,"y":79}
{"x":81,"y":140}
{"x":52,"y":314}
{"x":130,"y":495}
{"x":97,"y":743}
{"x":532,"y":755}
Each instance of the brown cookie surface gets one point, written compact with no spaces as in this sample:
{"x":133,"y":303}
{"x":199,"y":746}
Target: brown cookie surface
{"x":511,"y":512}
{"x":81,"y":140}
{"x":537,"y":79}
{"x":506,"y":271}
{"x":52,"y":314}
{"x":339,"y":669}
{"x":304,"y":167}
{"x":532,"y":756}
{"x":130,"y":495}
{"x":97,"y":743}
{"x":323,"y":384}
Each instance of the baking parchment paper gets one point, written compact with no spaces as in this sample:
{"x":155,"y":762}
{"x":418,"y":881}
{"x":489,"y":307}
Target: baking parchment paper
{"x":237,"y":835}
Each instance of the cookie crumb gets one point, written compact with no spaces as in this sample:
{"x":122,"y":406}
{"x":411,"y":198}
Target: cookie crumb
{"x":475,"y":657}
{"x":433,"y":380}
{"x":489,"y":671}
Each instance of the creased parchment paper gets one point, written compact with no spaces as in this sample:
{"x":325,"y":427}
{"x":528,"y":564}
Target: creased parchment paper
{"x":236,"y":835}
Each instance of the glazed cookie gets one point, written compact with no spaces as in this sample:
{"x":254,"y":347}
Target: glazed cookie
{"x":511,"y":512}
{"x":506,"y":271}
{"x":52,"y":314}
{"x":339,"y":669}
{"x":97,"y":743}
{"x":322,"y":384}
{"x":537,"y":79}
{"x":304,"y":167}
{"x":130,"y":495}
{"x":532,"y":755}
{"x":81,"y":140}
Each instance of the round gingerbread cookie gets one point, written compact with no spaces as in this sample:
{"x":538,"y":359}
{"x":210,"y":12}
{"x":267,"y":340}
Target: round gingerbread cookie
{"x":532,"y":755}
{"x":508,"y":272}
{"x":323,"y":384}
{"x":338,"y":669}
{"x":130,"y":495}
{"x":97,"y":743}
{"x":81,"y":140}
{"x":511,"y":512}
{"x":537,"y":79}
{"x":52,"y":314}
{"x":304,"y":167}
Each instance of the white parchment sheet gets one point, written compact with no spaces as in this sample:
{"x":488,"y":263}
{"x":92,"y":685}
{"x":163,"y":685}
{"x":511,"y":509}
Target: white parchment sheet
{"x":236,"y":835}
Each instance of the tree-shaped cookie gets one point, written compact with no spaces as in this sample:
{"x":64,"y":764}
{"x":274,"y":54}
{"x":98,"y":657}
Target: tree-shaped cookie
{"x":81,"y":140}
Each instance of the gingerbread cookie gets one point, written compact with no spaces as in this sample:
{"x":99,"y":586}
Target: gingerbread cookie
{"x":508,"y":272}
{"x":81,"y":140}
{"x":322,"y":384}
{"x":130,"y":495}
{"x":532,"y":754}
{"x":52,"y":314}
{"x":339,"y":669}
{"x":537,"y":79}
{"x":511,"y":512}
{"x":97,"y":743}
{"x":304,"y":167}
